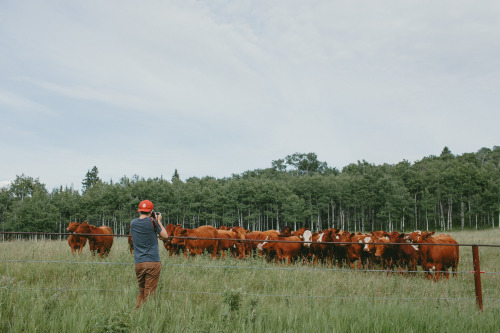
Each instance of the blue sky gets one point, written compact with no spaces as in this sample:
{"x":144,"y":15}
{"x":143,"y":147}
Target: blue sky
{"x":213,"y":88}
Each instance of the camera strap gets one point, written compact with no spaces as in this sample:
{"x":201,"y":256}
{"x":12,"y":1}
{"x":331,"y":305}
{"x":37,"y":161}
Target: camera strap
{"x":153,"y":222}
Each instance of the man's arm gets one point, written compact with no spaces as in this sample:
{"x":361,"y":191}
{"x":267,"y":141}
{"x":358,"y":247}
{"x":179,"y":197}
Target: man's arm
{"x":163,"y":232}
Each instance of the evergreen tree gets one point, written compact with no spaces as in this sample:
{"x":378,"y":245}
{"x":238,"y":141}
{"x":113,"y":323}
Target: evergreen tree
{"x":91,"y":178}
{"x":175,"y":176}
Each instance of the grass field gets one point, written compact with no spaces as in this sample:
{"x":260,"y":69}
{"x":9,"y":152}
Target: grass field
{"x":44,"y":288}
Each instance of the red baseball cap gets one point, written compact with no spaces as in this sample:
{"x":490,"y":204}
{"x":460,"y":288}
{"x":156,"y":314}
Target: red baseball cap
{"x":146,"y":206}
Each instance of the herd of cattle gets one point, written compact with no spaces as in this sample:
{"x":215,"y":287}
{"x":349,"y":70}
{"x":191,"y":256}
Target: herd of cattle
{"x":391,"y":251}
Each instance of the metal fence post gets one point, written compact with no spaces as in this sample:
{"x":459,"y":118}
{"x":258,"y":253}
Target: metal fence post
{"x":477,"y":277}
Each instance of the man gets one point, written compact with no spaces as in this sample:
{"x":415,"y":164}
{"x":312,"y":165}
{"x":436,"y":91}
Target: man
{"x":146,"y":251}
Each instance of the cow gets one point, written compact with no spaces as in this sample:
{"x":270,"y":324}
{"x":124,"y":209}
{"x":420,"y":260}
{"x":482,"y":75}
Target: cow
{"x":340,"y":250}
{"x":173,"y":249}
{"x":76,"y":243}
{"x":284,"y":251}
{"x":97,"y":241}
{"x":197,"y":246}
{"x":361,"y":252}
{"x":385,"y":254}
{"x":257,"y":236}
{"x":407,"y":256}
{"x":130,"y":242}
{"x":435,"y":258}
{"x":229,"y":240}
{"x":382,"y":254}
{"x":322,"y":252}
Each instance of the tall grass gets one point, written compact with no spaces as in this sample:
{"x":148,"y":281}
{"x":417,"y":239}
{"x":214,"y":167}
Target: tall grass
{"x":72,"y":293}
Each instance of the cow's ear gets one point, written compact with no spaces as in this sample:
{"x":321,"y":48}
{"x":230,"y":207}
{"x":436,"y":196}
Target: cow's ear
{"x":371,"y":233}
{"x":337,"y":231}
{"x":352,"y":235}
{"x":184,"y":231}
{"x":432,"y":233}
{"x":427,"y":235}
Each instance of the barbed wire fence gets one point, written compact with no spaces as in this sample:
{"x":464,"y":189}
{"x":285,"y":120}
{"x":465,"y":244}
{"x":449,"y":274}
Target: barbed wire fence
{"x":475,"y":254}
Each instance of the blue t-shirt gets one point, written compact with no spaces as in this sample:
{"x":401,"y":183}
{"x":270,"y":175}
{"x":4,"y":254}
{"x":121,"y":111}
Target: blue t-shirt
{"x":145,"y":240}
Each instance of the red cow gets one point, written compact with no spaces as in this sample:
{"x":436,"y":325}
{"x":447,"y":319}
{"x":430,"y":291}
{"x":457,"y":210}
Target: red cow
{"x":340,"y":250}
{"x":257,"y":236}
{"x":75,"y":242}
{"x":167,"y":243}
{"x":322,"y":252}
{"x":197,"y":246}
{"x":129,"y":239}
{"x":386,"y":254}
{"x":436,"y":258}
{"x":229,"y":241}
{"x":406,"y":255}
{"x":362,"y":252}
{"x":97,"y":242}
{"x":288,"y":251}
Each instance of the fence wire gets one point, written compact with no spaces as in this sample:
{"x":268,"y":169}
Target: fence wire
{"x":248,"y":267}
{"x":269,"y":295}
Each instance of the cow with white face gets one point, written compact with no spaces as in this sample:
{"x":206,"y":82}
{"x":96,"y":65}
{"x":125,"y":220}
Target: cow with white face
{"x":358,"y":252}
{"x":307,"y":238}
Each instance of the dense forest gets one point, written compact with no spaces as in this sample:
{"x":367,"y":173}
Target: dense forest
{"x":440,"y":193}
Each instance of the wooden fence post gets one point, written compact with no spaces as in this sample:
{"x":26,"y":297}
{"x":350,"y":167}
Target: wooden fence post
{"x":477,"y":277}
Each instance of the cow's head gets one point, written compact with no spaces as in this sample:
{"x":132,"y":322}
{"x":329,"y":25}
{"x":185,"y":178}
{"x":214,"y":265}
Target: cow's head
{"x":307,"y":238}
{"x":179,"y":232}
{"x":240,"y":250}
{"x":328,"y":237}
{"x":72,"y":226}
{"x":344,"y":236}
{"x":286,"y":232}
{"x":260,"y":246}
{"x":381,"y":248}
{"x":368,"y":241}
{"x":83,"y":228}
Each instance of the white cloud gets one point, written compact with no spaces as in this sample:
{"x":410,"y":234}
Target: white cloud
{"x":221,"y":87}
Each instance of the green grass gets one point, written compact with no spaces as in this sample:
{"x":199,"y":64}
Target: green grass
{"x":80,"y":294}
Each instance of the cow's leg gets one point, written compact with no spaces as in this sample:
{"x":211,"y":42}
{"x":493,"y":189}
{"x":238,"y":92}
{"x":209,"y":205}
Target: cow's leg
{"x":437,"y":272}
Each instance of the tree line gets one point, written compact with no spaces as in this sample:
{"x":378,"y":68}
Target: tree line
{"x":440,"y":193}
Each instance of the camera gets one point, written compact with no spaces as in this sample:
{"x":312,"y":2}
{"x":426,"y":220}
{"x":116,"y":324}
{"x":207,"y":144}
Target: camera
{"x":154,"y":214}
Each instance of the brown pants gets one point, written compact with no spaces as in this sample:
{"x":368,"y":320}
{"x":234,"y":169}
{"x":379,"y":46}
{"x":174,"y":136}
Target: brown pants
{"x":148,"y":274}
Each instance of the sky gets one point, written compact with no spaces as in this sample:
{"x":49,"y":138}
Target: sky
{"x":216,"y":88}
